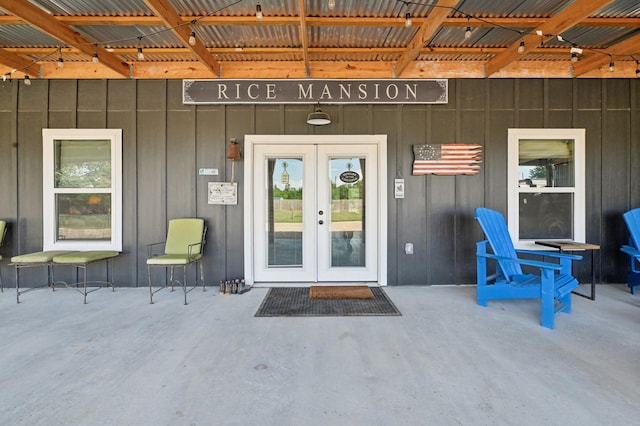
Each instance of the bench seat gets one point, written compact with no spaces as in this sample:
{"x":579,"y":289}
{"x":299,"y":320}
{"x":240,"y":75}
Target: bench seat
{"x":75,"y":258}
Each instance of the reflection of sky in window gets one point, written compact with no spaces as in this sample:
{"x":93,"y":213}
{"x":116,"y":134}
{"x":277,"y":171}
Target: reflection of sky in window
{"x":294,"y":169}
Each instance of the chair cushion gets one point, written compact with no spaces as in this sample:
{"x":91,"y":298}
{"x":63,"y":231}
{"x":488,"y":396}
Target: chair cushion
{"x":183,"y":232}
{"x":85,"y":256}
{"x":39,"y":257}
{"x":172,"y":259}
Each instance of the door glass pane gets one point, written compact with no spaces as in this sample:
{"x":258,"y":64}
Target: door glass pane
{"x":347,"y":220}
{"x":284,"y":212}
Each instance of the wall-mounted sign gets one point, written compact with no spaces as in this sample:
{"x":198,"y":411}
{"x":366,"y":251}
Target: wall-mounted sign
{"x":223,"y":193}
{"x":253,"y":91}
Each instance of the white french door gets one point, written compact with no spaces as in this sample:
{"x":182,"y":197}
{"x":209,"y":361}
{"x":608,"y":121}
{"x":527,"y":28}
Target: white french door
{"x":315,"y":212}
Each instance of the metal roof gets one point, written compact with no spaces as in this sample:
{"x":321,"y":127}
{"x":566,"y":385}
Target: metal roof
{"x":355,"y":39}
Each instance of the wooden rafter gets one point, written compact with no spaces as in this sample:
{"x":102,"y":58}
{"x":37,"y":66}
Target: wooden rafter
{"x":40,"y":19}
{"x":315,"y":21}
{"x":596,"y":60}
{"x":14,"y":61}
{"x":426,"y":31}
{"x":303,"y":37}
{"x":165,"y":11}
{"x":562,"y":21}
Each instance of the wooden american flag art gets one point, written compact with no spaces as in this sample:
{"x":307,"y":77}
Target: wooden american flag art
{"x":447,"y":159}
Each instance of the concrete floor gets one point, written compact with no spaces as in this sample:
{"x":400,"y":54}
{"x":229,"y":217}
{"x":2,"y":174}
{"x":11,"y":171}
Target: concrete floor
{"x":446,"y":361}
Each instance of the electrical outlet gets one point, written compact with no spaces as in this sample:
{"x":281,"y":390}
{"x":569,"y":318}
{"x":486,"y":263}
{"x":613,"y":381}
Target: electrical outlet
{"x":408,"y":248}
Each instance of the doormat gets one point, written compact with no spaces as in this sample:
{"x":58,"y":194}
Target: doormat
{"x":340,"y":292}
{"x":295,"y":302}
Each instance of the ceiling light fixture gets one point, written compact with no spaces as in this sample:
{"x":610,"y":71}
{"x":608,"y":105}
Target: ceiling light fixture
{"x":574,"y":57}
{"x":407,"y":20}
{"x":332,"y":4}
{"x":318,"y":117}
{"x":521,"y":48}
{"x":95,"y":58}
{"x":467,"y":33}
{"x":258,"y":12}
{"x":612,"y":66}
{"x":140,"y":53}
{"x":27,"y":80}
{"x":192,"y":38}
{"x":60,"y":63}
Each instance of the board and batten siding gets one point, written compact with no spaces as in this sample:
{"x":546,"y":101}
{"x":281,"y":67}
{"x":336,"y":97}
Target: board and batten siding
{"x":165,"y":142}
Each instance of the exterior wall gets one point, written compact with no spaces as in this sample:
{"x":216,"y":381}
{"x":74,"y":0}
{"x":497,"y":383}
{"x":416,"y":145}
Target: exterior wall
{"x":165,"y":142}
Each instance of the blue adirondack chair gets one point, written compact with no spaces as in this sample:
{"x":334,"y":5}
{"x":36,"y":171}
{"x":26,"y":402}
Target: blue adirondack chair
{"x":552,"y":283}
{"x":632,"y":219}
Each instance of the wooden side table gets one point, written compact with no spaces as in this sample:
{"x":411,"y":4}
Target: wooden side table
{"x":576,"y":246}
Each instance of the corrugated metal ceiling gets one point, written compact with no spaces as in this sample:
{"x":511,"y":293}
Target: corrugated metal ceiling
{"x":376,"y":34}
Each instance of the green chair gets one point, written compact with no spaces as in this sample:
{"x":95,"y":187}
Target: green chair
{"x":3,"y":232}
{"x":184,"y":246}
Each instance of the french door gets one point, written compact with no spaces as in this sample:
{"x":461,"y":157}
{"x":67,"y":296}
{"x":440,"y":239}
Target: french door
{"x":315,"y":213}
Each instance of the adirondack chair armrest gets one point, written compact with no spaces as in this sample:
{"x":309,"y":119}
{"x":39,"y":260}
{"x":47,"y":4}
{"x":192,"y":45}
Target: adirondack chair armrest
{"x":527,"y":262}
{"x":631,"y":251}
{"x":551,"y":254}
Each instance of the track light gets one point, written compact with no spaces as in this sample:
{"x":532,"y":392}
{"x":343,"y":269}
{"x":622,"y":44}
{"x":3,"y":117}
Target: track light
{"x":521,"y":48}
{"x":407,"y":20}
{"x":140,"y":54}
{"x":258,"y":12}
{"x":332,"y":4}
{"x":192,"y":38}
{"x":27,"y":80}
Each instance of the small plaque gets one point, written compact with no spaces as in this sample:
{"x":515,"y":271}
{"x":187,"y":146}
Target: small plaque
{"x":223,"y":193}
{"x":349,"y":177}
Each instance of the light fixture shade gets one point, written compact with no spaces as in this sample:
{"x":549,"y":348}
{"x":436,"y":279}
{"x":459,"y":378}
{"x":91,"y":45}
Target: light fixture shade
{"x":318,"y":118}
{"x":234,"y":150}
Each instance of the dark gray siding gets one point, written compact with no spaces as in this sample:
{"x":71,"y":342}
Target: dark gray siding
{"x":165,"y":142}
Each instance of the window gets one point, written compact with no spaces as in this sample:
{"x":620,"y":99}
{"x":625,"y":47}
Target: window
{"x":546,"y":185}
{"x":82,"y":189}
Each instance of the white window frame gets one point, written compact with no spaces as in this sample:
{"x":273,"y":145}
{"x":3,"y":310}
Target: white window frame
{"x":514,"y":190}
{"x":49,"y":214}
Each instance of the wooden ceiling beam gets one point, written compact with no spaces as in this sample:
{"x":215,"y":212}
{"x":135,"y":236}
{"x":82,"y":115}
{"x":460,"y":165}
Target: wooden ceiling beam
{"x":41,"y":20}
{"x":560,"y":22}
{"x":428,"y":28}
{"x":267,"y":51}
{"x":597,"y":60}
{"x":303,"y":37}
{"x":14,"y":61}
{"x":165,"y":11}
{"x":315,"y":21}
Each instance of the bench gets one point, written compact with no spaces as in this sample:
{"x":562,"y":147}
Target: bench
{"x":76,"y":259}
